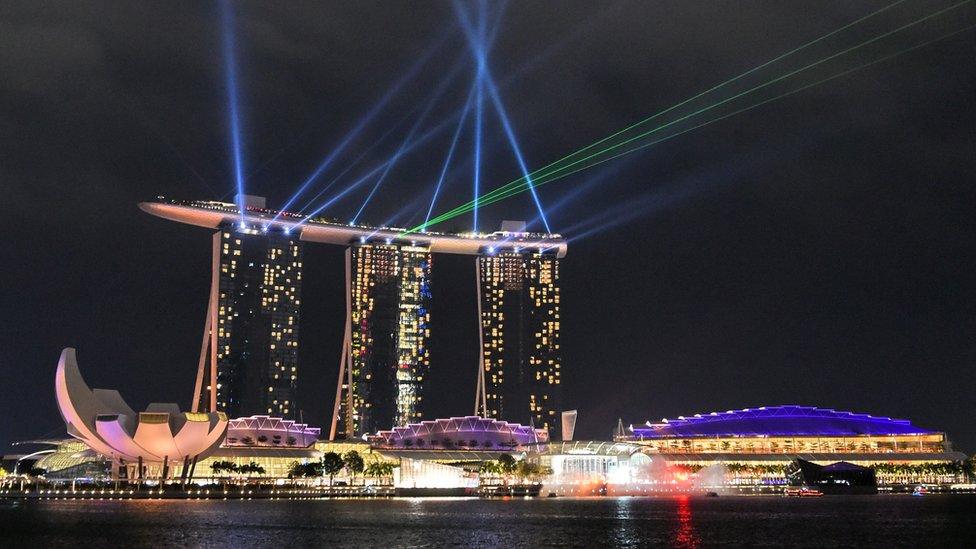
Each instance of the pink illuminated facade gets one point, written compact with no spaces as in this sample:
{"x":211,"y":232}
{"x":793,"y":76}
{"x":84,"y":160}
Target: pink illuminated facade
{"x":161,"y":435}
{"x":265,"y":431}
{"x":470,"y":432}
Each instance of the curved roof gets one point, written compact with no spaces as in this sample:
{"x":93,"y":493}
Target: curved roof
{"x":789,"y":420}
{"x":479,"y":429}
{"x":219,"y":214}
{"x":103,"y":421}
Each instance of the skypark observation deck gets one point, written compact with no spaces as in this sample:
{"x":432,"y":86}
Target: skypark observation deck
{"x":214,"y":214}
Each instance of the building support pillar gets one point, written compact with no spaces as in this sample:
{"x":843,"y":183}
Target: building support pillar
{"x":345,"y":366}
{"x":209,"y":338}
{"x":480,"y":395}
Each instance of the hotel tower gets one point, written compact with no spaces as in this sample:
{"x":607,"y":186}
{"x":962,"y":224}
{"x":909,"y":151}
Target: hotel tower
{"x":249,"y":355}
{"x":384,"y":358}
{"x":519,"y":378}
{"x":251,"y":335}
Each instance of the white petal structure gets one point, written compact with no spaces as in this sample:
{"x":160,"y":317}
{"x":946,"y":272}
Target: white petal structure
{"x":103,"y":421}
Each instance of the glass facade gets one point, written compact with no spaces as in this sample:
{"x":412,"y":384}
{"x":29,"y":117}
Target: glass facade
{"x":519,"y":304}
{"x":258,"y":303}
{"x":389,"y":328}
{"x":927,"y":443}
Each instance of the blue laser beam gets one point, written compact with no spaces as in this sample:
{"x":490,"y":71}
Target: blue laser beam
{"x":365,"y":120}
{"x":529,"y":65}
{"x":424,"y":138}
{"x":589,"y":184}
{"x":382,"y":139}
{"x":433,"y":132}
{"x":478,"y":118}
{"x":230,"y":76}
{"x":479,"y":110}
{"x":450,"y":154}
{"x":434,"y":97}
{"x":486,"y":79}
{"x":389,"y":223}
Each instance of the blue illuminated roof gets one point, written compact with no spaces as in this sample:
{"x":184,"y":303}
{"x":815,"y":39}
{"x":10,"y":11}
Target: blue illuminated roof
{"x":787,"y":420}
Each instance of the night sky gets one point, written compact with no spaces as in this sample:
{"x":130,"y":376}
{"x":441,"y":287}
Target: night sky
{"x":818,"y":250}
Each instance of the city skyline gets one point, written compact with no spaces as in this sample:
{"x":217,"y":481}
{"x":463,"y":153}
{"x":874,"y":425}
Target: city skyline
{"x":815,"y":250}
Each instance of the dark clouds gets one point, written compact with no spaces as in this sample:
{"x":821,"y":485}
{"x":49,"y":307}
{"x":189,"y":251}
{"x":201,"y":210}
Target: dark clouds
{"x":827,"y":259}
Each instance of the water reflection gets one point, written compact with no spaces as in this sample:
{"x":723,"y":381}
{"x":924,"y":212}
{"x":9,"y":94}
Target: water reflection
{"x":686,"y":535}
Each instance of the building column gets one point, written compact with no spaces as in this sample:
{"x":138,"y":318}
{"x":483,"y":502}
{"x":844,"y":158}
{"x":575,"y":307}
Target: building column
{"x":480,"y":395}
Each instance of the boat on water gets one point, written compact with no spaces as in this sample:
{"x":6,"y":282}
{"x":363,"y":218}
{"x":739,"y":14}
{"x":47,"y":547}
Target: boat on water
{"x":920,"y":490}
{"x":803,"y":492}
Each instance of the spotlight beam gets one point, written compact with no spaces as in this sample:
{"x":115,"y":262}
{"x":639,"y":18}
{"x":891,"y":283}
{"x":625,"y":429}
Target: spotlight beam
{"x":519,"y":185}
{"x":434,"y":97}
{"x":486,"y":80}
{"x":230,"y":76}
{"x":363,"y":122}
{"x":478,"y":121}
{"x":552,"y":176}
{"x":450,"y":154}
{"x":433,"y":132}
{"x":554,"y":165}
{"x":353,"y":164}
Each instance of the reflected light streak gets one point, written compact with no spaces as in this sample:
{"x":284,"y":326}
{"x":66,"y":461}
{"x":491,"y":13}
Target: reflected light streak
{"x":686,"y":535}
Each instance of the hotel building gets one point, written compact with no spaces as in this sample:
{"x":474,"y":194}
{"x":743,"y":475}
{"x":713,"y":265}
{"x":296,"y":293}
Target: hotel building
{"x":385,"y":355}
{"x":256,"y":297}
{"x":258,"y":303}
{"x":249,"y":354}
{"x":518,"y":300}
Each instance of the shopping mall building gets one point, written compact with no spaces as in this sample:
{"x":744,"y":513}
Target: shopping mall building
{"x":753,"y":447}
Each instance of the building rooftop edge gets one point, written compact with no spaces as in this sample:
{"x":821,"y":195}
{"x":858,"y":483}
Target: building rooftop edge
{"x":214,"y":215}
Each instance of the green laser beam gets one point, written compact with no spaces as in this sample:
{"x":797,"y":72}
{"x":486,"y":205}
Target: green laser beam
{"x":543,"y":181}
{"x":729,"y":115}
{"x":460,"y":210}
{"x":520,"y":184}
{"x":727,"y":82}
{"x":588,"y":147}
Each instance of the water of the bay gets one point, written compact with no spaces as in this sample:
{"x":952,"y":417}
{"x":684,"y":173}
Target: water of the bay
{"x":862,"y":521}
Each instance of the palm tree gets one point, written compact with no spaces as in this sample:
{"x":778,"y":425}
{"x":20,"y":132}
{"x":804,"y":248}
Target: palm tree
{"x":331,"y":464}
{"x":379,"y":469}
{"x":224,"y":467}
{"x":507,"y":463}
{"x":305,"y":470}
{"x":354,"y":463}
{"x":250,"y":468}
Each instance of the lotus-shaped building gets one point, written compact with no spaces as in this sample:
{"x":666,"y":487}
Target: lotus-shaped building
{"x":103,"y":421}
